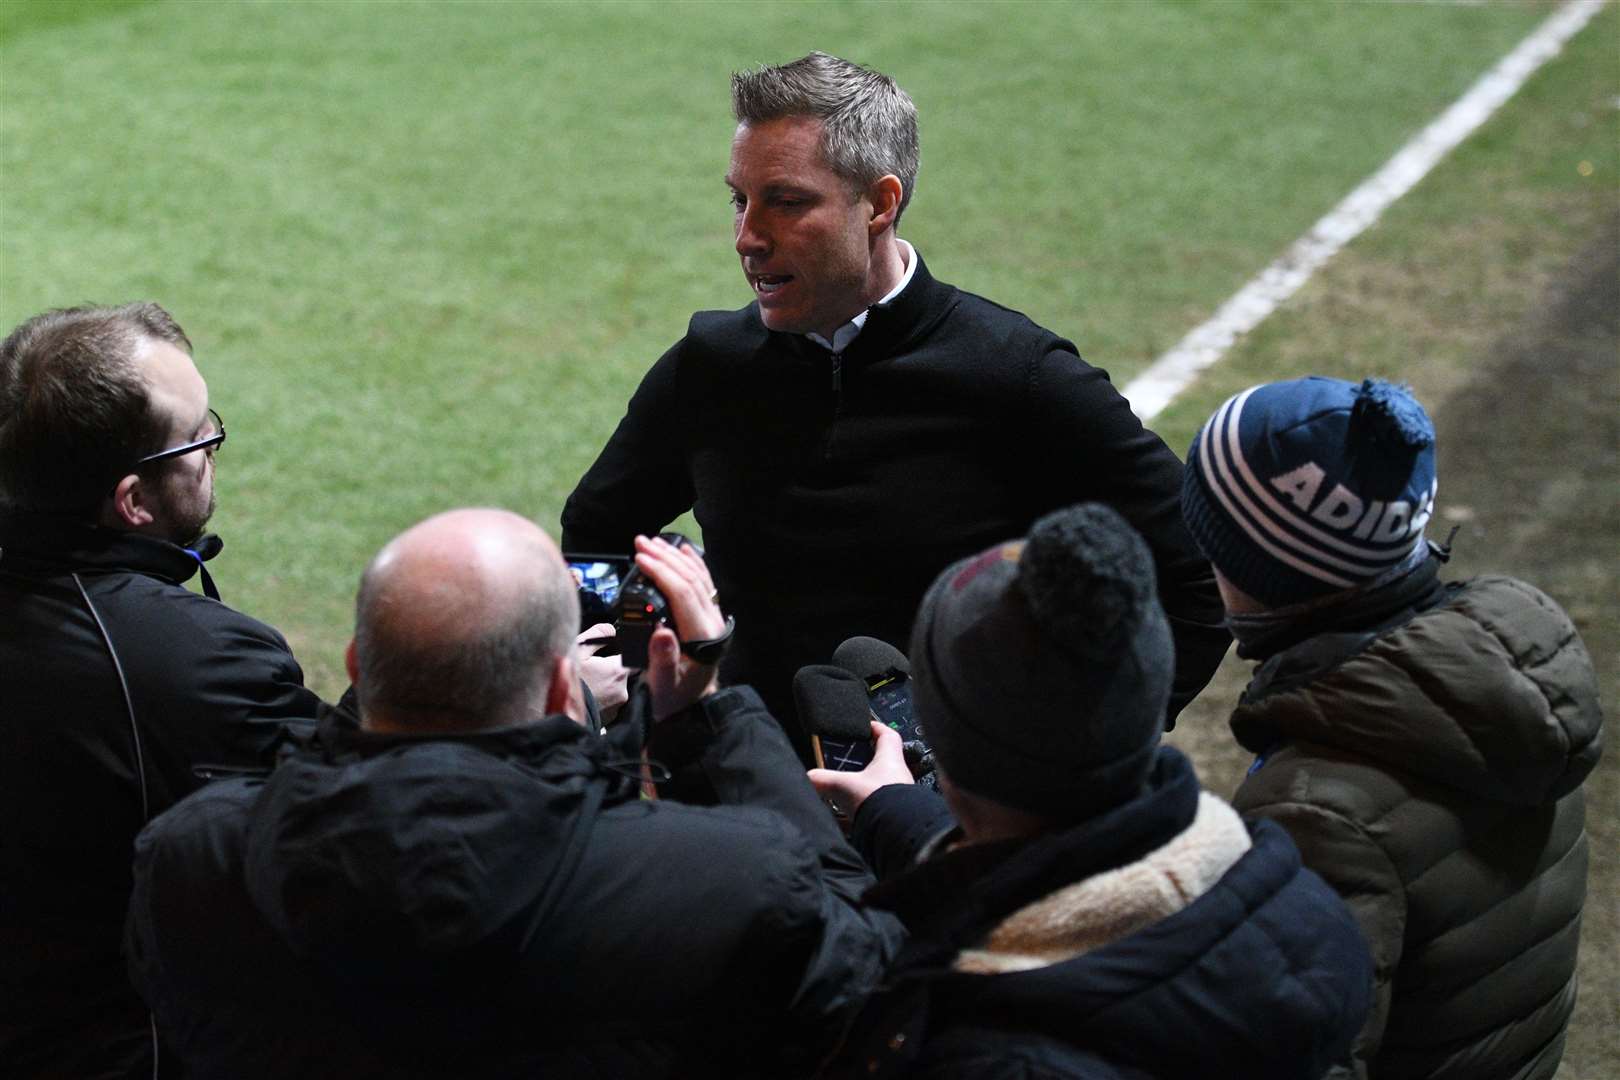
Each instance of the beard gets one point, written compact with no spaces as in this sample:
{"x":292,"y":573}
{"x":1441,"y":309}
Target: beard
{"x":184,"y":514}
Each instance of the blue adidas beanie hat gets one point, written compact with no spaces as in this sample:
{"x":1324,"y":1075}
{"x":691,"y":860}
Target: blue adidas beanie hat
{"x":1298,"y":489}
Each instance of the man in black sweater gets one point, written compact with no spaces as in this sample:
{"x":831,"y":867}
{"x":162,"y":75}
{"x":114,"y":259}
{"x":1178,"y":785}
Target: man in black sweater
{"x":860,"y":425}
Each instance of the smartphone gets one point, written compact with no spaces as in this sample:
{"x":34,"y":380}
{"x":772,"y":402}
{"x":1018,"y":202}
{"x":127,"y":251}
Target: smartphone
{"x":889,"y":698}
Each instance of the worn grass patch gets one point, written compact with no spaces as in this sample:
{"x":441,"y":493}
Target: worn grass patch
{"x":1462,"y":259}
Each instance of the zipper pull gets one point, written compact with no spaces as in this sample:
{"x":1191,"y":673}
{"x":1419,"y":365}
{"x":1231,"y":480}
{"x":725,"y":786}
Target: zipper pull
{"x":838,"y":372}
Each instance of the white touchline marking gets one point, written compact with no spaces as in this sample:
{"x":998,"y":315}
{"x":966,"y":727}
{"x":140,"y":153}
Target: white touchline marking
{"x":1204,"y":346}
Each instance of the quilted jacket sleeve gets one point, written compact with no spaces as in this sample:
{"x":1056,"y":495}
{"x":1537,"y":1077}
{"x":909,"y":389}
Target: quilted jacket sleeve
{"x":1340,"y":851}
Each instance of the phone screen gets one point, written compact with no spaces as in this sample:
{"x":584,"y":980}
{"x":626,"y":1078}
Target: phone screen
{"x":599,"y":578}
{"x":890,"y":702}
{"x":844,"y":756}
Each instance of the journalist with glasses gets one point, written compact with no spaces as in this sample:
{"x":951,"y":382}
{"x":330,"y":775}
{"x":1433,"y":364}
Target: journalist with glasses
{"x":123,"y":688}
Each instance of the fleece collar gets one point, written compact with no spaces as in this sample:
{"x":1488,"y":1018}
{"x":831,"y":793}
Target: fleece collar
{"x":844,"y":335}
{"x":957,"y":896}
{"x":889,"y":325}
{"x":1115,"y":904}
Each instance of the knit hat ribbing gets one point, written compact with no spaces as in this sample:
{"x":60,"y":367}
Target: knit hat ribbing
{"x":1298,"y":489}
{"x":1041,"y":668}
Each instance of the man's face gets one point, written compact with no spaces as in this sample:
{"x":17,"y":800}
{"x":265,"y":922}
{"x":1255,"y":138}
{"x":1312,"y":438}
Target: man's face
{"x":801,"y":230}
{"x":182,"y":492}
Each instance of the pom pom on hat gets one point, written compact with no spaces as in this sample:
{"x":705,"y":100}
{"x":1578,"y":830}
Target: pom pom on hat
{"x":1088,"y":580}
{"x":1387,"y":431}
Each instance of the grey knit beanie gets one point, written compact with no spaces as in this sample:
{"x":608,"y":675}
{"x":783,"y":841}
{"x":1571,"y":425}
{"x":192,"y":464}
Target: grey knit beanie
{"x":1041,"y":667}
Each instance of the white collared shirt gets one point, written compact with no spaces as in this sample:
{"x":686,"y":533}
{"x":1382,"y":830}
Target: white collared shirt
{"x":848,"y":332}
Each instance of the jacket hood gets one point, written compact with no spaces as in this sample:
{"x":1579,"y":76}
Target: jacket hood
{"x":390,"y":863}
{"x":1491,"y":691}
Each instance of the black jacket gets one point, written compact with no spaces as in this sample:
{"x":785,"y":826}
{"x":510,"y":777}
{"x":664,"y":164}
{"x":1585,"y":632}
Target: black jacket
{"x":117,"y":685}
{"x":833,"y":489}
{"x":504,"y":904}
{"x":1263,"y":975}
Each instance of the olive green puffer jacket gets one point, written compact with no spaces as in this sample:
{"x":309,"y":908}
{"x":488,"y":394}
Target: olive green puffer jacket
{"x":1431,"y":773}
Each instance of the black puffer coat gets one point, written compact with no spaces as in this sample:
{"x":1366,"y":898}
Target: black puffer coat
{"x":1262,"y":976}
{"x":1431,"y":773}
{"x":504,"y":904}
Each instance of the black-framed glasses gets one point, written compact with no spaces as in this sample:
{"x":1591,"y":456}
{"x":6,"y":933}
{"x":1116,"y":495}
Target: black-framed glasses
{"x":208,"y":442}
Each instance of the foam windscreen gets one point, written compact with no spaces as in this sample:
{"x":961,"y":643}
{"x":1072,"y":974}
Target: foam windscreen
{"x":832,"y":703}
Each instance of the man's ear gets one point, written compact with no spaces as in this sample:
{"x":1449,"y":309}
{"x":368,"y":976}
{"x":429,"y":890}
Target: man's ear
{"x":885,"y":195}
{"x":127,"y":507}
{"x":563,"y":695}
{"x":351,"y":663}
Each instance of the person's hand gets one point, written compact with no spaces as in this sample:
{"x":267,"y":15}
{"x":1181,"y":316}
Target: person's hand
{"x":674,"y":680}
{"x":607,"y":676}
{"x":845,"y":791}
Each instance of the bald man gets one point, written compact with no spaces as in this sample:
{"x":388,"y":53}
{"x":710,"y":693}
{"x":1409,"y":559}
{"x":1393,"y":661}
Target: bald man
{"x":465,"y":880}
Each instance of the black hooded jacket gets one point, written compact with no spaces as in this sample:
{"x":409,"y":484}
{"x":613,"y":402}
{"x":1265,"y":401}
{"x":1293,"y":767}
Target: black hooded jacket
{"x":505,"y":904}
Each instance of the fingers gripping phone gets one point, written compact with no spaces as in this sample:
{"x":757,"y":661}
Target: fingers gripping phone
{"x":888,"y":698}
{"x":837,"y":704}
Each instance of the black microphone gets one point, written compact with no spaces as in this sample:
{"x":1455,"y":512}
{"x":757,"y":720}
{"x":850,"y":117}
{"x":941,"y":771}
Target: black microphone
{"x":833,"y":706}
{"x":871,"y":659}
{"x":832,"y":702}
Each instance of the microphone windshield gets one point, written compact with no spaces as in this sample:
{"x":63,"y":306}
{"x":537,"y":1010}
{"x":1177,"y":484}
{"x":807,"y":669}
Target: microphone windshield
{"x":870,"y":658}
{"x":832,"y":703}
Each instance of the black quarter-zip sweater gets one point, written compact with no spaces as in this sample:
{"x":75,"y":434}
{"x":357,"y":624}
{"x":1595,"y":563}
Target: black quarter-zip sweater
{"x":832,"y":488}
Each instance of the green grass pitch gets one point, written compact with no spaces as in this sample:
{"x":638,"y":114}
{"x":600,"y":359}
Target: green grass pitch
{"x":426,"y":250}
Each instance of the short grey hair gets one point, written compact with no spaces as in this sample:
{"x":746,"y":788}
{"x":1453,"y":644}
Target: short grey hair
{"x":869,"y":124}
{"x":483,"y":680}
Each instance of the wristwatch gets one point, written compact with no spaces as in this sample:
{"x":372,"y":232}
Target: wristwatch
{"x":709,"y":650}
